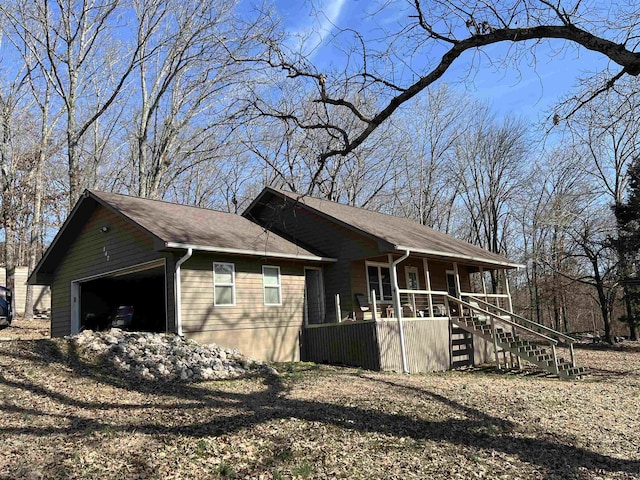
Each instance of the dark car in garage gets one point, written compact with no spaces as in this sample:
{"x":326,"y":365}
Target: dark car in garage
{"x":6,"y":312}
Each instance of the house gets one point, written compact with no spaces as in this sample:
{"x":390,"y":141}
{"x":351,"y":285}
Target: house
{"x":292,"y":278}
{"x":16,"y":279}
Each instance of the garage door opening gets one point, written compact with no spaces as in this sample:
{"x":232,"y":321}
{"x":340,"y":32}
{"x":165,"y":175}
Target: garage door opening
{"x":135,"y":301}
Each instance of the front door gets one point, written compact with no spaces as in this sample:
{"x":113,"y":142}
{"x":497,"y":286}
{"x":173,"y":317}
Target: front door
{"x":452,"y":289}
{"x":314,"y":296}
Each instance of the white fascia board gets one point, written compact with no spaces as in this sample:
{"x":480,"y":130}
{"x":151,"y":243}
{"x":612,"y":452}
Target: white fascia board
{"x":235,"y":251}
{"x":460,"y":256}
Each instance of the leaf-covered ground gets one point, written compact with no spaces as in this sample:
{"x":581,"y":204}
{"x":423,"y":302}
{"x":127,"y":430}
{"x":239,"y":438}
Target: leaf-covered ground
{"x":63,"y":418}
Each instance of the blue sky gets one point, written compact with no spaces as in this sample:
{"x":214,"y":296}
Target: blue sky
{"x":529,"y":91}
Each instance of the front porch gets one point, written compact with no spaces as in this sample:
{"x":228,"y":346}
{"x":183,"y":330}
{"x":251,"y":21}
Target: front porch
{"x":438,"y":315}
{"x":404,"y":320}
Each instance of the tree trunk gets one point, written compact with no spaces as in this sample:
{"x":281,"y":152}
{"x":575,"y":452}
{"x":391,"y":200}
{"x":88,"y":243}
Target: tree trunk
{"x":35,"y":231}
{"x":603,"y":301}
{"x":74,"y":172}
{"x":8,"y":220}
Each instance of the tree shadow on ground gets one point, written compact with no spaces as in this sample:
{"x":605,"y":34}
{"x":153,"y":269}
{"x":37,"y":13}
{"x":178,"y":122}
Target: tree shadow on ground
{"x":476,"y":429}
{"x":568,"y":460}
{"x":628,"y":346}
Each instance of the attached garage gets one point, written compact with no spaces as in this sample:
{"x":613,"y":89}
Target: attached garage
{"x":150,"y":265}
{"x":134,"y":298}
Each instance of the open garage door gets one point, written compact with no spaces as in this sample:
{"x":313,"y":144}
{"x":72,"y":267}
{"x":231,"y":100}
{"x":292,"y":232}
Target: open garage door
{"x":134,"y":299}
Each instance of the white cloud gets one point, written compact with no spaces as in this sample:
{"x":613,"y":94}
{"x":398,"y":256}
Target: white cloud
{"x":312,"y":35}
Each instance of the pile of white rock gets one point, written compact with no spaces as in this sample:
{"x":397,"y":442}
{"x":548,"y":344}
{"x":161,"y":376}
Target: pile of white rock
{"x":161,"y":357}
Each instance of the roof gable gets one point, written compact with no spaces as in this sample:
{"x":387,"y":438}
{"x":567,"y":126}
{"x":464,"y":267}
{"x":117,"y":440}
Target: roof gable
{"x":173,"y":226}
{"x":400,"y":233}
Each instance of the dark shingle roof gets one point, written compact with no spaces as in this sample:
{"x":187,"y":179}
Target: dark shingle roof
{"x":402,"y":233}
{"x":172,"y":226}
{"x":202,"y":228}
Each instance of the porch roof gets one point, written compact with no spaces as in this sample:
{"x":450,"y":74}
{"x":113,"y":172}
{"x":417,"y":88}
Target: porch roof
{"x":401,"y":234}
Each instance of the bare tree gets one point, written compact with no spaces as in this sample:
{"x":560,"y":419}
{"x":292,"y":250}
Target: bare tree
{"x":606,"y":134}
{"x":429,"y":132}
{"x":287,"y":155}
{"x":427,"y":40}
{"x":491,"y":157}
{"x":591,"y":247}
{"x":188,"y":81}
{"x":12,"y":149}
{"x":73,"y":44}
{"x":41,"y":93}
{"x":552,"y":198}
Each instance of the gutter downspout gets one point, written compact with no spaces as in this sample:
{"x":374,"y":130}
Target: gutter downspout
{"x":398,"y":308}
{"x":177,"y":288}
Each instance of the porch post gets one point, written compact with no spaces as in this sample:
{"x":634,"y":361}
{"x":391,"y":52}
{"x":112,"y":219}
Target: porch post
{"x":507,"y":291}
{"x":510,"y":308}
{"x":427,"y":282}
{"x":373,"y":306}
{"x":397,"y":305}
{"x":457,"y":276}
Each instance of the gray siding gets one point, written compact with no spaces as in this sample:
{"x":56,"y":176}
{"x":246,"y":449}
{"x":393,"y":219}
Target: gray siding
{"x":328,"y":238}
{"x":348,"y":343}
{"x":96,"y":253}
{"x":268,"y":332}
{"x":426,"y":342}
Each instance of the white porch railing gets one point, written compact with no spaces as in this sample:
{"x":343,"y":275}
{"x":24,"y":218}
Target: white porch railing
{"x":435,"y":303}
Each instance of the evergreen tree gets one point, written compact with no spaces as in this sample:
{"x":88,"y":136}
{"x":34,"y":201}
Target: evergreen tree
{"x":628,"y":247}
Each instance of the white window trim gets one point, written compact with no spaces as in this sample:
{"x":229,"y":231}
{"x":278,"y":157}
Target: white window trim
{"x":278,"y":286}
{"x":232,"y":284}
{"x":377,"y":264}
{"x":412,"y":269}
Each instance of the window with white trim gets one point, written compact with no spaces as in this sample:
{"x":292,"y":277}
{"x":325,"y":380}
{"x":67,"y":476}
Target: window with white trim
{"x":413,"y":281}
{"x":271,"y":285}
{"x":379,"y":281}
{"x":224,"y":284}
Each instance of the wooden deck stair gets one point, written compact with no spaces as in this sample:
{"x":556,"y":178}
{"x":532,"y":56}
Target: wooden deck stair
{"x":541,"y":351}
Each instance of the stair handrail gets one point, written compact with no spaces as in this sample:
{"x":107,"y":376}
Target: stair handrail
{"x":518,"y":326}
{"x":569,"y":339}
{"x":493,"y":316}
{"x":553,"y":341}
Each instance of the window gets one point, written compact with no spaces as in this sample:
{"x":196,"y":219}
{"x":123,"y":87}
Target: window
{"x":413,"y":282}
{"x":379,"y":280}
{"x":224,"y":282}
{"x":271,"y":284}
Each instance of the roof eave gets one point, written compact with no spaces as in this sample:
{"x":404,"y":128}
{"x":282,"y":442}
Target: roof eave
{"x":247,"y":211}
{"x":254,"y":253}
{"x":470,"y":258}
